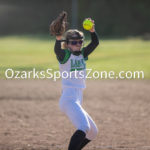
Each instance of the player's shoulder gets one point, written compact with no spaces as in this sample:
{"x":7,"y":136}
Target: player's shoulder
{"x":66,"y":57}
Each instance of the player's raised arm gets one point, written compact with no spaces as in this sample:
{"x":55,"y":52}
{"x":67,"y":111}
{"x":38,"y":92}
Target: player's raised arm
{"x":58,"y":50}
{"x":94,"y":39}
{"x":57,"y":28}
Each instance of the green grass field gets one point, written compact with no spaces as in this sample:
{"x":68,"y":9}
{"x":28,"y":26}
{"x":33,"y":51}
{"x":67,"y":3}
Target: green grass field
{"x":28,"y":52}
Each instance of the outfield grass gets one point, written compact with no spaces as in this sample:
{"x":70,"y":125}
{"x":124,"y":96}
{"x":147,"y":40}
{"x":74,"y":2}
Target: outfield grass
{"x":28,"y":52}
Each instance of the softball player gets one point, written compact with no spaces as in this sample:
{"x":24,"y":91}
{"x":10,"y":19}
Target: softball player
{"x":72,"y":58}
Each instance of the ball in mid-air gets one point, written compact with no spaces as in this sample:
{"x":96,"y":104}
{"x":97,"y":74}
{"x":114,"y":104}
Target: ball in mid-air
{"x":87,"y":24}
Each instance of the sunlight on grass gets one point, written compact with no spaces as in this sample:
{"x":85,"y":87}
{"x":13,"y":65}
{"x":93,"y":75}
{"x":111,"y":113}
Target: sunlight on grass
{"x":27,"y":52}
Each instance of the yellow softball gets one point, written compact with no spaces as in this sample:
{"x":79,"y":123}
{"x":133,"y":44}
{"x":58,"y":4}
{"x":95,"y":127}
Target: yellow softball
{"x":87,"y":24}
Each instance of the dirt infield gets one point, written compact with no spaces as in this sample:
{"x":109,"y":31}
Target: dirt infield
{"x":30,"y":118}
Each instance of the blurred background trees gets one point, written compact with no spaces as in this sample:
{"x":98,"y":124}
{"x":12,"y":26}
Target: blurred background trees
{"x":113,"y":17}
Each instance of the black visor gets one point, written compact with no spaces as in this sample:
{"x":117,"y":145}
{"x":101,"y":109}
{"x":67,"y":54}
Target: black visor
{"x":75,"y":36}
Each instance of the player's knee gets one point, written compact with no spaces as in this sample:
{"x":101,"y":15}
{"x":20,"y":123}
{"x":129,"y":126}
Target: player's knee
{"x":87,"y":128}
{"x":94,"y":133}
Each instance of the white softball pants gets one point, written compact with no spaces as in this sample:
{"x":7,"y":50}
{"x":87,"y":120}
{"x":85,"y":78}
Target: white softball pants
{"x":70,"y":103}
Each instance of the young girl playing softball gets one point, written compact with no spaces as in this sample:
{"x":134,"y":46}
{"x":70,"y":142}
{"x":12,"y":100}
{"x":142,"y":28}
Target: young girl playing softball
{"x":72,"y":58}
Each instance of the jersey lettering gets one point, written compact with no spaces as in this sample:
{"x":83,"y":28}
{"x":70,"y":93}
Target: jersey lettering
{"x":77,"y":64}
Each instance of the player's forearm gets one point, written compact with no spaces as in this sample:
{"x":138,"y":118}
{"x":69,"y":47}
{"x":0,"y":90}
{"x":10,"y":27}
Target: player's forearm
{"x":94,"y":39}
{"x":57,"y":47}
{"x":58,"y":51}
{"x":91,"y":47}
